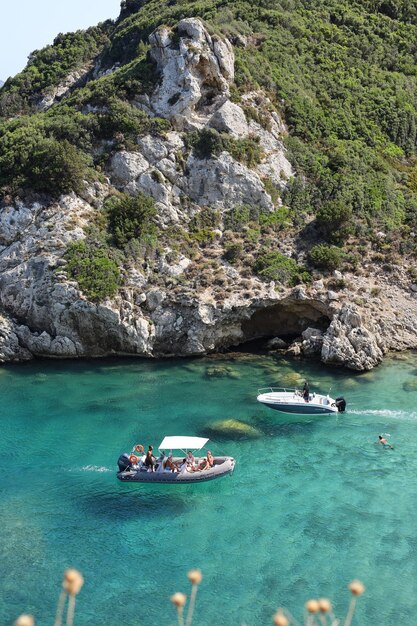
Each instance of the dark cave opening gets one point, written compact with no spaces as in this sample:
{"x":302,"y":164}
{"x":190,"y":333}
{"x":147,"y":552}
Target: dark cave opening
{"x":284,"y":320}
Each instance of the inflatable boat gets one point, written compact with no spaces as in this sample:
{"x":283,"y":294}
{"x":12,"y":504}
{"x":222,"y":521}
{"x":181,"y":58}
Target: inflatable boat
{"x":169,"y":469}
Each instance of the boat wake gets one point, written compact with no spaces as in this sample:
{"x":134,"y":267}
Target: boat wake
{"x":393,"y":414}
{"x":95,"y":468}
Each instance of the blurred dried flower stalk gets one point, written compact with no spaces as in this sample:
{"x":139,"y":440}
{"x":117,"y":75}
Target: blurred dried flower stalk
{"x":71,"y":587}
{"x":318,"y":612}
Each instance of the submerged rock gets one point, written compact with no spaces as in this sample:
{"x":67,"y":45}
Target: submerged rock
{"x":220,"y":371}
{"x":349,"y":383}
{"x":292,"y":379}
{"x":232,"y":429}
{"x":410,"y":385}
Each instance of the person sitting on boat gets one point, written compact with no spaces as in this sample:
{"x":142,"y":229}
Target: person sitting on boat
{"x":150,"y":459}
{"x":306,"y":392}
{"x":190,"y":459}
{"x":202,"y":465}
{"x":170,"y":464}
{"x":210,"y":458}
{"x":183,"y":464}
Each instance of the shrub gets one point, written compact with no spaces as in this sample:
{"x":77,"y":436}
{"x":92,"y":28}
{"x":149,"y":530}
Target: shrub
{"x":64,"y":123}
{"x":233,"y":252}
{"x":239,"y":216}
{"x":277,"y":266}
{"x":271,"y":189}
{"x":334,"y":219}
{"x":257,"y":115}
{"x":47,"y":67}
{"x":208,"y":143}
{"x":91,"y":265}
{"x":337,"y":284}
{"x":326,"y":257}
{"x":203,"y":235}
{"x":247,"y":151}
{"x":279,"y":218}
{"x":206,"y":218}
{"x":28,"y":158}
{"x":123,"y":118}
{"x":57,"y":167}
{"x":130,"y":217}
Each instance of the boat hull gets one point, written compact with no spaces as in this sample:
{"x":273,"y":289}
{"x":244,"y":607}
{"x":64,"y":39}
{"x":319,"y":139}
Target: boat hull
{"x":223,"y":466}
{"x":299,"y":410}
{"x":293,"y":403}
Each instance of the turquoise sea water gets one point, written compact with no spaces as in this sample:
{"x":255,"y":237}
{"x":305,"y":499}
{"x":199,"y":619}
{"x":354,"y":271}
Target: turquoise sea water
{"x":310,"y":506}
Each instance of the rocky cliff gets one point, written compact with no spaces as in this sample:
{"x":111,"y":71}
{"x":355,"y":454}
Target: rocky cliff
{"x":185,"y":299}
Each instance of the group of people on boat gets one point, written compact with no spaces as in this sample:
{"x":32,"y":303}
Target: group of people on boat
{"x":189,"y":462}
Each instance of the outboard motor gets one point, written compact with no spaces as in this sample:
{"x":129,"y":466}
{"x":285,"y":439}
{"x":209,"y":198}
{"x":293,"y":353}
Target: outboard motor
{"x":123,"y":462}
{"x":341,"y":404}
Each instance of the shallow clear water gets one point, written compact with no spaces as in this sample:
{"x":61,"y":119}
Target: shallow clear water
{"x":310,"y":506}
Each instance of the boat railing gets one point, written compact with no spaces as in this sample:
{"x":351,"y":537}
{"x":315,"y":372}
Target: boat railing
{"x":280,"y":390}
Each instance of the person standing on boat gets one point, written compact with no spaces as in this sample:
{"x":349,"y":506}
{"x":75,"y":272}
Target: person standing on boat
{"x":150,"y":459}
{"x":306,"y":392}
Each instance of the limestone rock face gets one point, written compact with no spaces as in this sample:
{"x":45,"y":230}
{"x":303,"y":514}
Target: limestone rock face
{"x":196,"y":71}
{"x":224,"y":183}
{"x":230,"y":118}
{"x":312,"y":341}
{"x":126,"y":167}
{"x":276,"y":343}
{"x":55,"y":320}
{"x":348,"y":342}
{"x":10,"y":348}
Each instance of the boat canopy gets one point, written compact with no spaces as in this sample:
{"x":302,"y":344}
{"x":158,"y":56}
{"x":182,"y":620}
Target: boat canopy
{"x":182,"y":443}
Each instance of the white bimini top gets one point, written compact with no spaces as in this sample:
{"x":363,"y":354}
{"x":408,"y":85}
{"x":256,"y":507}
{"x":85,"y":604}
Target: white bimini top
{"x":182,"y":443}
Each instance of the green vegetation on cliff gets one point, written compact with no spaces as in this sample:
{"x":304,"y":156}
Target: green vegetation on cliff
{"x":91,"y":265}
{"x":48,"y":67}
{"x":342,"y":73}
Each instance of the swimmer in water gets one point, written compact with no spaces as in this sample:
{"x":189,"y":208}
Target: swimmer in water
{"x":384,"y":442}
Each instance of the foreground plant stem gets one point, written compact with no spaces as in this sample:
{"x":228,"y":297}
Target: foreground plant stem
{"x":180,"y":610}
{"x":350,"y":612}
{"x":70,"y":610}
{"x":191,"y":605}
{"x":60,"y":608}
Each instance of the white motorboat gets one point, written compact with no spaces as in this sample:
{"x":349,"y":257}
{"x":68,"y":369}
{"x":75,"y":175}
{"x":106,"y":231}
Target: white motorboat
{"x":186,"y":468}
{"x":296,"y":403}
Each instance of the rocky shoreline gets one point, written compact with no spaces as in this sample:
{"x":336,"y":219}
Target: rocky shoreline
{"x":61,"y":324}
